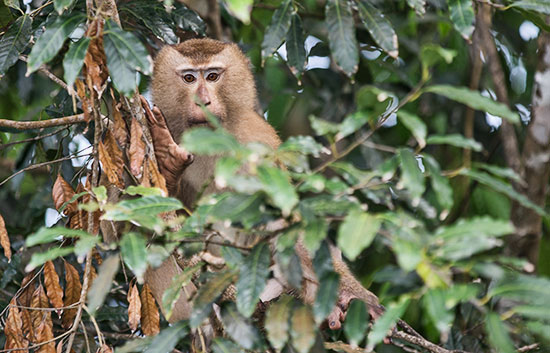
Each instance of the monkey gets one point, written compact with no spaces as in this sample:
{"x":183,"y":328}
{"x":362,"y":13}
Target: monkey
{"x":200,"y":73}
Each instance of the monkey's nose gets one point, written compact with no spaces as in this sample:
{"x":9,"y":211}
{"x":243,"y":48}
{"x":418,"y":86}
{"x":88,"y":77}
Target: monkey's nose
{"x":205,"y":103}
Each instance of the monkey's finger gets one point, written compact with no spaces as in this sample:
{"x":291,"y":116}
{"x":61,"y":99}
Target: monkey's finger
{"x":159,"y":117}
{"x":148,"y":113}
{"x":335,"y":318}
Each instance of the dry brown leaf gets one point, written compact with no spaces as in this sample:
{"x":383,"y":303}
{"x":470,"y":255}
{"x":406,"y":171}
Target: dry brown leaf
{"x":40,"y":300}
{"x":134,"y":308}
{"x":95,"y":62}
{"x":157,"y":178}
{"x":13,"y":329}
{"x":4,"y":239}
{"x":136,"y":153}
{"x":73,"y":287}
{"x":146,"y":178}
{"x":97,"y":256}
{"x":81,"y":92}
{"x":110,"y":156}
{"x":28,"y":330}
{"x":53,"y":289}
{"x":29,"y":284}
{"x":149,"y":312}
{"x":43,"y":334}
{"x":119,"y":127}
{"x":63,"y":192}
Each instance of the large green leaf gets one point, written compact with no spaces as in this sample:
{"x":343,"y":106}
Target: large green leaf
{"x":207,"y":141}
{"x":415,"y":125}
{"x":46,"y":235}
{"x":134,"y":252}
{"x":475,"y":100}
{"x":357,"y":321}
{"x":125,"y":56}
{"x":277,"y":322}
{"x":38,"y":259}
{"x":49,"y":43}
{"x":168,"y":338}
{"x":296,"y":52}
{"x":154,"y":16}
{"x":187,"y":19}
{"x":541,"y":6}
{"x":102,"y":283}
{"x":277,"y":185}
{"x":172,"y":293}
{"x":303,"y":329}
{"x":208,"y":294}
{"x":434,"y":304}
{"x":276,"y":31}
{"x":381,"y":326}
{"x":412,"y":177}
{"x":341,"y":35}
{"x":74,"y":59}
{"x":223,"y":345}
{"x":62,"y":5}
{"x":326,"y":297}
{"x":14,"y":41}
{"x":498,"y":335}
{"x":440,"y":184}
{"x":239,"y":328}
{"x":238,"y":208}
{"x":379,"y":27}
{"x":253,"y":278}
{"x":240,"y":9}
{"x":357,"y":232}
{"x":462,"y":16}
{"x":315,"y":232}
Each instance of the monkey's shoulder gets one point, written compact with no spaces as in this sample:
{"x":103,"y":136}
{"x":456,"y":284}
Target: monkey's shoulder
{"x":254,"y":128}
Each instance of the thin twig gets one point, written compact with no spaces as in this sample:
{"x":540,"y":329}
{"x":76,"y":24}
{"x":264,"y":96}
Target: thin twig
{"x":39,"y":165}
{"x":528,"y":348}
{"x":48,"y":74}
{"x":41,"y":124}
{"x":422,"y":342}
{"x":38,"y":137}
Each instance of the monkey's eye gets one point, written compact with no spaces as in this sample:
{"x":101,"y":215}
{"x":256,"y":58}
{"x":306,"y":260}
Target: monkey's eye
{"x":189,"y":78}
{"x":213,"y":76}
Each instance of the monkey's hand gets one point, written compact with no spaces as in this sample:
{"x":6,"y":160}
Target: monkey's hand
{"x":171,"y":158}
{"x":346,"y":295}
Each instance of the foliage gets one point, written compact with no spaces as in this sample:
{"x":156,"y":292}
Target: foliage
{"x":370,"y":99}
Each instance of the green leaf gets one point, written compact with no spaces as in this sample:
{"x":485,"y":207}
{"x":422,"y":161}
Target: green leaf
{"x":302,"y":144}
{"x":238,"y":328}
{"x":240,"y":9}
{"x":135,"y":345}
{"x":412,"y":177}
{"x":47,"y":235}
{"x":504,"y":188}
{"x":238,"y":208}
{"x":49,"y":43}
{"x":142,"y":210}
{"x":276,"y":31}
{"x":143,"y":191}
{"x":168,"y":338}
{"x":498,"y":335}
{"x":14,"y":4}
{"x":14,"y":41}
{"x":232,"y":256}
{"x":357,"y":322}
{"x":172,"y":293}
{"x":303,"y":329}
{"x":62,"y":5}
{"x":277,"y":321}
{"x":326,"y":297}
{"x":462,"y":16}
{"x":357,"y":232}
{"x":438,"y":312}
{"x":379,"y":27}
{"x":134,"y":253}
{"x":38,"y":259}
{"x":415,"y":125}
{"x":440,"y":184}
{"x":84,"y":245}
{"x":296,"y":52}
{"x":541,"y":6}
{"x":222,"y":345}
{"x":289,"y":265}
{"x":455,"y":140}
{"x":507,"y":173}
{"x":419,"y":6}
{"x":277,"y":185}
{"x":187,"y":19}
{"x":475,"y":100}
{"x":74,"y":59}
{"x":341,"y":35}
{"x":384,"y":323}
{"x":315,"y":232}
{"x":351,"y":124}
{"x":207,"y":295}
{"x":253,"y":278}
{"x":210,"y":142}
{"x":323,"y":127}
{"x":125,"y":56}
{"x":102,"y":283}
{"x":432,"y":54}
{"x":155,"y":17}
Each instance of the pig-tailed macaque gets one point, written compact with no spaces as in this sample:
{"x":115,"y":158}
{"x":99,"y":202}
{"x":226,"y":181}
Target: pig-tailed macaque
{"x":207,"y":73}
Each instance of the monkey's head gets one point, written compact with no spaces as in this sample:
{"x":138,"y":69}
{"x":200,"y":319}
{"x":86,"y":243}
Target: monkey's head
{"x":202,"y":72}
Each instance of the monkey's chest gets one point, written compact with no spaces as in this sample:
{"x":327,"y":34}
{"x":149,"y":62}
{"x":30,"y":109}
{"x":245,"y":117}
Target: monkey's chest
{"x":198,"y":179}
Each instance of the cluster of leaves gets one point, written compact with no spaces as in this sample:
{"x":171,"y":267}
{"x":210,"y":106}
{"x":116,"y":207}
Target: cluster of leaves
{"x":401,"y":210}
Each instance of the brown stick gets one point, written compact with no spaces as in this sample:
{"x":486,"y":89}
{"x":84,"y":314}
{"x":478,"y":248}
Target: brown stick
{"x":40,"y":124}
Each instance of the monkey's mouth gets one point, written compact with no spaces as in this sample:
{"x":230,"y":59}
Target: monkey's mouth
{"x":198,"y":122}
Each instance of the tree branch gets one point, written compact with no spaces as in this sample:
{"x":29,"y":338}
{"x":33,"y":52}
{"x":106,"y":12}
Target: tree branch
{"x":41,"y":124}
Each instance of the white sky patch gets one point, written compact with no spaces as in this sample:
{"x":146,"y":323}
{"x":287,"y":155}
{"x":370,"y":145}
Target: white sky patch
{"x":51,"y":217}
{"x":492,"y":120}
{"x":371,"y":54}
{"x":390,"y":121}
{"x":313,"y":62}
{"x":310,"y":42}
{"x":318,"y":62}
{"x":524,"y":113}
{"x":282,"y":51}
{"x":528,"y":30}
{"x":420,"y":164}
{"x":80,"y":143}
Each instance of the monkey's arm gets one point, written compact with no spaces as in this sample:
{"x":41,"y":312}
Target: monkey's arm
{"x":172,"y":158}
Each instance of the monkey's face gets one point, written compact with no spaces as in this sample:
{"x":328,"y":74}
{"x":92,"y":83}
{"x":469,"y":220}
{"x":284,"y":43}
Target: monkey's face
{"x":200,"y":90}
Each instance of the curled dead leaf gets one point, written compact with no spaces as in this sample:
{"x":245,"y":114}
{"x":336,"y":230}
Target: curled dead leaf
{"x":40,"y":301}
{"x":13,"y":329}
{"x":73,"y":287}
{"x":150,"y":318}
{"x":156,"y":178}
{"x":134,"y":307}
{"x":110,"y":156}
{"x":119,"y":125}
{"x":4,"y":239}
{"x":136,"y":153}
{"x":62,"y":192}
{"x":96,"y":71}
{"x":28,"y":285}
{"x":53,"y":288}
{"x":44,"y":334}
